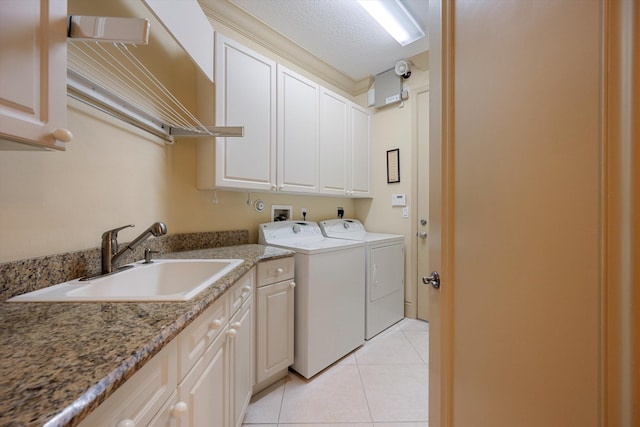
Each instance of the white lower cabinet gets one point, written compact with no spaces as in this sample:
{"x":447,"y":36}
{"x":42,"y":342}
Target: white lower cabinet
{"x":241,"y":361}
{"x":168,"y":415}
{"x":202,"y":378}
{"x":274,"y":321}
{"x":205,"y":390}
{"x":144,"y":395}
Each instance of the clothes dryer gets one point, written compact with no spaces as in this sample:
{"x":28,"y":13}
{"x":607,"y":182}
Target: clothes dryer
{"x":384,"y":265}
{"x":329,"y":303}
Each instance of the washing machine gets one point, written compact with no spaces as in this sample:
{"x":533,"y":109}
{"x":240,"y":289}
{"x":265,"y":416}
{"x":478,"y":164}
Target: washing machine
{"x":384,"y":266}
{"x":329,"y":304}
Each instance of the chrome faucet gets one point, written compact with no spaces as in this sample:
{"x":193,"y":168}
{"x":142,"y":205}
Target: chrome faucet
{"x":110,"y":253}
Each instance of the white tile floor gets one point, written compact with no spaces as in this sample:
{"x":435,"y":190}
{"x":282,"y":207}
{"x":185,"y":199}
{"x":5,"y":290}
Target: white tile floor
{"x":381,"y":384}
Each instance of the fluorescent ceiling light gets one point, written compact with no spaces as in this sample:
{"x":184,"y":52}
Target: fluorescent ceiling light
{"x":394,"y":18}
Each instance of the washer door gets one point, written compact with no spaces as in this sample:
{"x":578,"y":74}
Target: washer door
{"x":386,"y":271}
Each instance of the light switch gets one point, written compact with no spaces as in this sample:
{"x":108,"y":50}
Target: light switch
{"x":405,"y":212}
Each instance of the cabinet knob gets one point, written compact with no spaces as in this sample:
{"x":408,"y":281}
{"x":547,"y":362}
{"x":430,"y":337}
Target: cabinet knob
{"x":279,"y":270}
{"x":236,"y":325}
{"x":126,"y":423}
{"x":280,"y":187}
{"x":273,"y":187}
{"x":245,"y":291}
{"x":62,"y":135}
{"x":179,"y":409}
{"x":292,"y":284}
{"x":232,"y":332}
{"x":215,"y":324}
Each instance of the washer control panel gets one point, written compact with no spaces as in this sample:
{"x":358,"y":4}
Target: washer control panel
{"x":278,"y":231}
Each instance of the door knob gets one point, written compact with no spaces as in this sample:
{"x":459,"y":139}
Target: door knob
{"x":433,"y":279}
{"x":422,"y":234}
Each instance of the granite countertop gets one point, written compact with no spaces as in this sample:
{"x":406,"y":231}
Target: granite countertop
{"x":59,"y":361}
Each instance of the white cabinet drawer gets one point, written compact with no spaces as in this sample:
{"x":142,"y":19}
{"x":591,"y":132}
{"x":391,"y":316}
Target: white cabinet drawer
{"x":197,"y":337}
{"x":143,"y":395}
{"x":275,"y":271}
{"x":241,"y":291}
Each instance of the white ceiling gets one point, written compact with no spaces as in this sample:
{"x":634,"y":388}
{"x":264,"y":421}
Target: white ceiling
{"x":339,"y":32}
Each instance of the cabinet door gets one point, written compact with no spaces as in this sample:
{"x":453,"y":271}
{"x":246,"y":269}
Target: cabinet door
{"x":206,"y":389}
{"x":245,"y":96}
{"x":334,"y":143}
{"x":298,"y":103}
{"x":33,"y":86}
{"x":241,"y":361}
{"x":169,"y":415}
{"x":197,"y":338}
{"x":274,"y":315}
{"x":143,"y":395}
{"x":360,"y":153}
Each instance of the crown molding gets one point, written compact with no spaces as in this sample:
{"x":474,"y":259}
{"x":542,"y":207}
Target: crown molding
{"x":233,"y":17}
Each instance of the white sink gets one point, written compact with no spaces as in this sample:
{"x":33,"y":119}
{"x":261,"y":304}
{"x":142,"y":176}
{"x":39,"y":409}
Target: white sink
{"x":162,"y":280}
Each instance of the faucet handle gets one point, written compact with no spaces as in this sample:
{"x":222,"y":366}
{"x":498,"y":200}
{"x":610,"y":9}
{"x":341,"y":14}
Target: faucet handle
{"x":113,"y":234}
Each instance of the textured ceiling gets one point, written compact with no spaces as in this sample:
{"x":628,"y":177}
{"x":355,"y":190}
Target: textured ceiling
{"x":339,"y":32}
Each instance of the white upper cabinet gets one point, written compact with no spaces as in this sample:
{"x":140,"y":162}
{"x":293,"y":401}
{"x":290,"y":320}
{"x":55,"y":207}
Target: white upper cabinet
{"x":189,"y":26}
{"x":334,"y":145}
{"x":298,"y":136}
{"x":359,"y":163}
{"x":245,"y":96}
{"x":298,"y":102}
{"x":33,"y":74}
{"x":345,"y":147}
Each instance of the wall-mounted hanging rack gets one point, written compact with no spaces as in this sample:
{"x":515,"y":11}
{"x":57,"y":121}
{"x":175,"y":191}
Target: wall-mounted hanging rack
{"x":104,"y":71}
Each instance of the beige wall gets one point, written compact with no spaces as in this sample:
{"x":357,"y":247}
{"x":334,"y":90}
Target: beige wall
{"x":195,"y":210}
{"x":111,"y":174}
{"x":393,"y":128}
{"x":114,"y":174}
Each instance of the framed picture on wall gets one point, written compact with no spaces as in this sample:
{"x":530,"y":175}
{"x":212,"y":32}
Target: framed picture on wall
{"x":393,"y":166}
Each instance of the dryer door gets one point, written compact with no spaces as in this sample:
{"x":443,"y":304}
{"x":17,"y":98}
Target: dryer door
{"x":386,"y":271}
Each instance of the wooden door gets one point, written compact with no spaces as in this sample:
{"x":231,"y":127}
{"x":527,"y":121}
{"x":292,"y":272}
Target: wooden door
{"x":422,"y":241}
{"x":516,"y":223}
